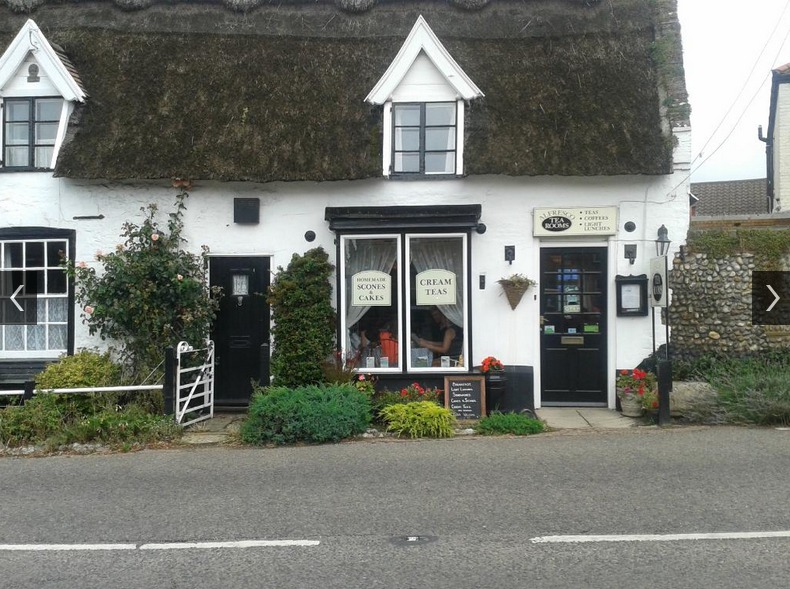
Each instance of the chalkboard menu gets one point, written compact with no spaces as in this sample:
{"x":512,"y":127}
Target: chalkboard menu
{"x":465,"y":396}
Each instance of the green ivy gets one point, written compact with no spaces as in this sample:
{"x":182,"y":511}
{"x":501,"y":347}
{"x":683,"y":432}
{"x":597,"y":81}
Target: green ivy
{"x":304,"y":319}
{"x":769,"y":245}
{"x":150,"y":294}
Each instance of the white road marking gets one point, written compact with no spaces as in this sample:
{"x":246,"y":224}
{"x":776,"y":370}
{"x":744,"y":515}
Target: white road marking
{"x":237,"y":544}
{"x":659,"y":537}
{"x":44,"y":547}
{"x":161,"y":546}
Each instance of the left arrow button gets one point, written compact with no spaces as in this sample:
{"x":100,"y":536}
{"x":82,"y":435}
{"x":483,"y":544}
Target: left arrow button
{"x":13,"y":296}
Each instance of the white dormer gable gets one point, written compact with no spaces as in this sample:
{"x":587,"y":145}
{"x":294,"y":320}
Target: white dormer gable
{"x":422,"y":45}
{"x":424,"y":94}
{"x":39,"y":89}
{"x":31,"y":47}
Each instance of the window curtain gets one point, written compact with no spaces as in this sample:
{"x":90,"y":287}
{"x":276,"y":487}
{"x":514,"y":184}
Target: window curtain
{"x":431,"y":253}
{"x":366,"y":254}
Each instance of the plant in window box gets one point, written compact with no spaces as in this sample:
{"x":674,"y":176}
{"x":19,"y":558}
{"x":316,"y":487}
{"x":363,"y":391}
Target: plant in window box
{"x":515,"y":286}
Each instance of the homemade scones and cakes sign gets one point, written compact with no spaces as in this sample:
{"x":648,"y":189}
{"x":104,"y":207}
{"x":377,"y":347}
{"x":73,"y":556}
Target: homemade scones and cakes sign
{"x":575,"y":221}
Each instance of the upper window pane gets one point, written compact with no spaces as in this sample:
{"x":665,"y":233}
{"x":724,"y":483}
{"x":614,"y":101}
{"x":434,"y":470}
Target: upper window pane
{"x":17,"y":111}
{"x":440,"y":113}
{"x":407,"y":114}
{"x":48,"y":109}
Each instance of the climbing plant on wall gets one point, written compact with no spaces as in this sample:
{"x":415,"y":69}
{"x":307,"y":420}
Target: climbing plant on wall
{"x":150,"y":292}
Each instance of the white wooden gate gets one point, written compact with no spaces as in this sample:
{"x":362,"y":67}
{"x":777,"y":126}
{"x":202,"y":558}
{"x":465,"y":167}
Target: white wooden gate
{"x":194,"y":394}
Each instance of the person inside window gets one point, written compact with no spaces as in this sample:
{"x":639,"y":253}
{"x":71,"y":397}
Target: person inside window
{"x":450,"y":339}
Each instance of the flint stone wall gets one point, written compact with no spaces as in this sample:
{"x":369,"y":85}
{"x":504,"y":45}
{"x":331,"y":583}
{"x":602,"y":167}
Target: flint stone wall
{"x":711,"y":305}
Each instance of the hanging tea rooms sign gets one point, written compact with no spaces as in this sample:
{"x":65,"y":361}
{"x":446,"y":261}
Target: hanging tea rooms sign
{"x":556,"y":222}
{"x":371,"y":288}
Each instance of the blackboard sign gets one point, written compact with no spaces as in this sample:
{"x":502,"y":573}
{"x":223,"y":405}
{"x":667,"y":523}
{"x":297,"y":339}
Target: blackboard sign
{"x":465,"y":396}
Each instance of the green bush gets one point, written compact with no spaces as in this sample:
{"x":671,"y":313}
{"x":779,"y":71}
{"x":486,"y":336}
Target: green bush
{"x":84,"y":369}
{"x":311,"y":413}
{"x":419,"y":419}
{"x":304,"y":319}
{"x":509,"y":423}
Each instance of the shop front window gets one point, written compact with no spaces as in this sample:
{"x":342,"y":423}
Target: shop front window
{"x":404,"y":321}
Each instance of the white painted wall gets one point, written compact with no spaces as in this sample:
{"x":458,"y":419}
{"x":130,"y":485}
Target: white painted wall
{"x":781,"y":143}
{"x":288,"y":210}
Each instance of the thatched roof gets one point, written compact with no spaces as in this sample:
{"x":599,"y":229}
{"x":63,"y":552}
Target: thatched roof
{"x":261,"y":90}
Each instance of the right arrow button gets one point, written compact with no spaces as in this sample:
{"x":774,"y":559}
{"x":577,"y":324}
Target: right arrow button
{"x":776,"y":298}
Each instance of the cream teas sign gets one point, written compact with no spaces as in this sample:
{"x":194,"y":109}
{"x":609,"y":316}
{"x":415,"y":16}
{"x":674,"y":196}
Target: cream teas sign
{"x":436,"y":287}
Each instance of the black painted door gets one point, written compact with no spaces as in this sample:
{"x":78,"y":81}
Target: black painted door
{"x":241,"y":329}
{"x":573,"y":326}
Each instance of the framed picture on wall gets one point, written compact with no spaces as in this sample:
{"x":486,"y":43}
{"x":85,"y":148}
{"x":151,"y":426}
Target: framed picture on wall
{"x":631,"y":295}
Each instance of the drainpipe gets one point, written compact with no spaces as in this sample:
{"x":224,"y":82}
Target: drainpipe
{"x":769,"y":161}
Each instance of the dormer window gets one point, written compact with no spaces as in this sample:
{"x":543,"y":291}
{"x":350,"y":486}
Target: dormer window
{"x":39,"y":89}
{"x":30,"y":130}
{"x":424,"y":138}
{"x":423,"y":94}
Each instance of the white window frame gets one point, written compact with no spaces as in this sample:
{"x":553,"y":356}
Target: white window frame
{"x":45,"y":353}
{"x":403,"y":245}
{"x":465,"y":291}
{"x":344,"y":293}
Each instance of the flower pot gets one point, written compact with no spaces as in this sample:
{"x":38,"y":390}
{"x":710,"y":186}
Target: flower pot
{"x":496,"y":387}
{"x":631,"y":406}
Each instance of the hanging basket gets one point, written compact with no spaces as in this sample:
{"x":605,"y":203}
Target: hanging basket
{"x":514,"y":292}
